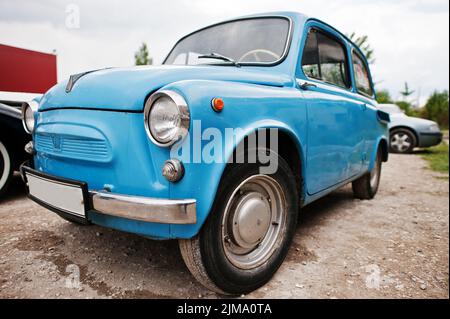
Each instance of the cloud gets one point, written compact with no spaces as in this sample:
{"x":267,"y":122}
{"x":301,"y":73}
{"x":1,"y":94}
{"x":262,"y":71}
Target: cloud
{"x":410,"y":37}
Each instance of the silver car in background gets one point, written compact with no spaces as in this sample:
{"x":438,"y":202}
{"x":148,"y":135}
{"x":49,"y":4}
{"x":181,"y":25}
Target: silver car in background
{"x":407,"y":133}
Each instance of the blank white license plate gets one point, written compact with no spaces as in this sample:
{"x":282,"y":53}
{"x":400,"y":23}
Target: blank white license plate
{"x":62,"y":196}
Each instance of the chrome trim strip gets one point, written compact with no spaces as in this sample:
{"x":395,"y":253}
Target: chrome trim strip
{"x":153,"y":210}
{"x":10,"y":111}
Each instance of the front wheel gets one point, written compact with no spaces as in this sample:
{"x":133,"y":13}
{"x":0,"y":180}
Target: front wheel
{"x":366,"y":187}
{"x":6,"y":168}
{"x":402,"y":141}
{"x":249,"y":230}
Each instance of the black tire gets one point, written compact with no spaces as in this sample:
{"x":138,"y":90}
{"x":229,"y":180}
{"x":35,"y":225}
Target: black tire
{"x":402,"y":141}
{"x":6,"y":168}
{"x":366,"y":187}
{"x":206,"y":254}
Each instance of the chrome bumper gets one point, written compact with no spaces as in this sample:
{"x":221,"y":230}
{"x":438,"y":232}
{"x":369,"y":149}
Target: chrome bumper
{"x":153,"y":210}
{"x":145,"y":209}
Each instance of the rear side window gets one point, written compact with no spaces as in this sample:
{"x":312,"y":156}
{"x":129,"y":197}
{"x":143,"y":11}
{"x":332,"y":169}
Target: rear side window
{"x":362,"y":77}
{"x":325,"y":58}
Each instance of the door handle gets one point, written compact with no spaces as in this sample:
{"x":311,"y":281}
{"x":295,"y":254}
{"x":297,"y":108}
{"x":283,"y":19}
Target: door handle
{"x":307,"y":85}
{"x":364,"y":106}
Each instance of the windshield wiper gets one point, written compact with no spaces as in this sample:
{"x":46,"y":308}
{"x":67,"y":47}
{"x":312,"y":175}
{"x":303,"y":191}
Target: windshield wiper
{"x":218,"y":56}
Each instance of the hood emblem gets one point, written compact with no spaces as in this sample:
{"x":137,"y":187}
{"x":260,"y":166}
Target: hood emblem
{"x":75,"y":77}
{"x":56,"y":142}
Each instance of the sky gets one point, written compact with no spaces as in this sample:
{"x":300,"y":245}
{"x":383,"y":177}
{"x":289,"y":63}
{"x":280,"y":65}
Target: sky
{"x":410,"y":37}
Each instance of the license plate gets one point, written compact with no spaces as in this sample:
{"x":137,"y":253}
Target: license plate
{"x":62,"y":196}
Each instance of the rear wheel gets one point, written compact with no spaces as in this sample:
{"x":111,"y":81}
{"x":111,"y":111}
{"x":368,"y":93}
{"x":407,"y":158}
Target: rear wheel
{"x":402,"y":141}
{"x":249,"y":230}
{"x":6,"y":168}
{"x":366,"y":187}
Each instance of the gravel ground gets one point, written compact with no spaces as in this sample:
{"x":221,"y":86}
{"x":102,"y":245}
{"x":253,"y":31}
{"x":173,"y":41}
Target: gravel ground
{"x":396,"y":246}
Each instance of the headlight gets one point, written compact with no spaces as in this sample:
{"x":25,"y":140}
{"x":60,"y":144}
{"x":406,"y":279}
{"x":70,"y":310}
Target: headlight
{"x":28,"y":119}
{"x":434,"y":128}
{"x":167,"y":118}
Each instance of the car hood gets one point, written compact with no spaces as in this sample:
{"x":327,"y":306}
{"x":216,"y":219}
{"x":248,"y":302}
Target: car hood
{"x":402,"y":119}
{"x":127,"y":88}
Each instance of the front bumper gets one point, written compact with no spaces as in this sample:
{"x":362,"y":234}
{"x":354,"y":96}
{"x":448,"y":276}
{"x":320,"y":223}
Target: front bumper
{"x":151,"y":210}
{"x":136,"y":208}
{"x":430,"y":139}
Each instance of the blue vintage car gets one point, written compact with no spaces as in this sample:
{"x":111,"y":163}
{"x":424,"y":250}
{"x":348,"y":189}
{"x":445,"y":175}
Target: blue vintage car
{"x":170,"y":152}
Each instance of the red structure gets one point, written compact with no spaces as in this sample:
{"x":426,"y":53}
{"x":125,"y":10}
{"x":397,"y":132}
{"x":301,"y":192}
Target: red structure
{"x":25,"y":70}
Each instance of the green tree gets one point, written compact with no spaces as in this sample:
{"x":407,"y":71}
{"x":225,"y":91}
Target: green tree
{"x":384,"y":97}
{"x":142,"y":56}
{"x":436,"y":108}
{"x":363,"y":43}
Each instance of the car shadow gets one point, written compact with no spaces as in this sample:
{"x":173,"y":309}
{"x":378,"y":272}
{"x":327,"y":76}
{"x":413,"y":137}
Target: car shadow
{"x":16,"y":189}
{"x":312,"y":214}
{"x":156,"y":264}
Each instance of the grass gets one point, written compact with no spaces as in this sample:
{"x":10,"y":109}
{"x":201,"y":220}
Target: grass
{"x":437,"y":158}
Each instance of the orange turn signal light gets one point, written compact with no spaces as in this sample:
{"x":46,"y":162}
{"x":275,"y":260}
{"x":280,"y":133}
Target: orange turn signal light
{"x":217,"y":104}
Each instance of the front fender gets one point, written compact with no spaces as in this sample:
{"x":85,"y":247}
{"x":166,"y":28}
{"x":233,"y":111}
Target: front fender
{"x":277,"y":107}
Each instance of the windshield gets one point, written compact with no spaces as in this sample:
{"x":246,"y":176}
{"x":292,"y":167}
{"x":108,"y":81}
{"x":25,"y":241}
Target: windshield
{"x":391,"y":109}
{"x":250,"y":41}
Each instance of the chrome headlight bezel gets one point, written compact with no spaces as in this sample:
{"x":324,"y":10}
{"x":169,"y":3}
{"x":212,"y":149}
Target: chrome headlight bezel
{"x":183,"y":113}
{"x":29,"y":110}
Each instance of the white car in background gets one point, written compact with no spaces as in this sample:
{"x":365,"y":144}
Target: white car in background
{"x":407,"y":133}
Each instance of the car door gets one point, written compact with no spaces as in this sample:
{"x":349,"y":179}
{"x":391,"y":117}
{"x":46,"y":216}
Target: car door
{"x":335,"y":139}
{"x":365,"y":93}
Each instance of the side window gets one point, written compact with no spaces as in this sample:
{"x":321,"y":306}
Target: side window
{"x":325,"y":58}
{"x":310,"y":59}
{"x":362,"y":77}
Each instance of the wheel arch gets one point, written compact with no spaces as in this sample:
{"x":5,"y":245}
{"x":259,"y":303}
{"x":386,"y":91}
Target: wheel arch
{"x":383,"y":144}
{"x":290,"y":148}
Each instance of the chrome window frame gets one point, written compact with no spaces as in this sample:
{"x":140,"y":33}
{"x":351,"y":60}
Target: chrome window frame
{"x":366,"y":64}
{"x":347,"y":58}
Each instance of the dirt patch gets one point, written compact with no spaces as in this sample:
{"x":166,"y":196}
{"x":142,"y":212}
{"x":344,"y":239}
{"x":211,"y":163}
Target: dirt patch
{"x":300,"y":254}
{"x":48,"y":242}
{"x":41,"y":240}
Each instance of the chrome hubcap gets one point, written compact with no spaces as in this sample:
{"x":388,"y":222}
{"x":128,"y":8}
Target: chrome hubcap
{"x":253,"y":221}
{"x":401,"y":142}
